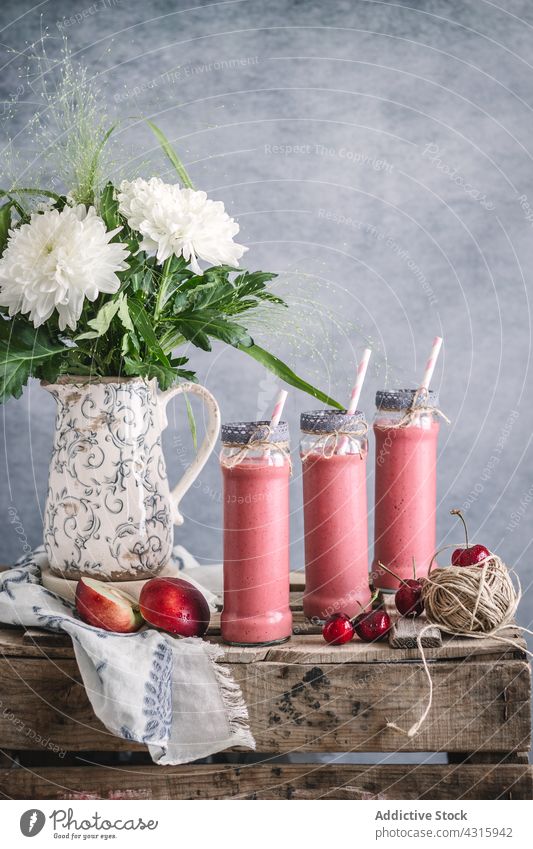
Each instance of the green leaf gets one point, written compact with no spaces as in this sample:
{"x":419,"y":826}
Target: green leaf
{"x":250,"y":282}
{"x":274,"y":299}
{"x":215,"y":289}
{"x":198,"y":325}
{"x":100,"y":323}
{"x":250,"y":285}
{"x":171,"y":339}
{"x":109,"y":207}
{"x":22,"y":350}
{"x":144,"y":326}
{"x":171,"y":154}
{"x":141,"y":280}
{"x":165,"y":376}
{"x":217,"y":272}
{"x":97,"y":154}
{"x":50,"y":368}
{"x":127,"y":346}
{"x":282,"y":371}
{"x":124,"y":313}
{"x":196,"y":336}
{"x":211,"y":294}
{"x":187,"y":374}
{"x":172,"y":275}
{"x":38,"y":192}
{"x":180,"y":302}
{"x":5,"y":224}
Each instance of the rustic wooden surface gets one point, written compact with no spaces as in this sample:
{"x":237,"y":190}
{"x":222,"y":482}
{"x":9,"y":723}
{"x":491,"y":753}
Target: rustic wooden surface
{"x":406,"y":630}
{"x":302,"y":696}
{"x":272,"y":781}
{"x":303,"y":648}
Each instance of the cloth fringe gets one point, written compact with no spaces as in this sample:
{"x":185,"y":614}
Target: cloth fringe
{"x":232,"y":699}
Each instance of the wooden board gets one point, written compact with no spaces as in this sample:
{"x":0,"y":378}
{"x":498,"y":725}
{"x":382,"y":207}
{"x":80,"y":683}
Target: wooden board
{"x":406,"y":631}
{"x":304,"y":647}
{"x":477,"y":706}
{"x":346,"y":707}
{"x":271,"y":781}
{"x":297,"y":581}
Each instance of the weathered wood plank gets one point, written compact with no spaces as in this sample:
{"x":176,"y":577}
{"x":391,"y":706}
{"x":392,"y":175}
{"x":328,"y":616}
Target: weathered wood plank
{"x":405,"y":632}
{"x":48,"y":639}
{"x":265,"y":781}
{"x":296,"y":600}
{"x":346,"y":707}
{"x":488,"y":757}
{"x":304,"y":647}
{"x":299,"y":707}
{"x":297,"y":581}
{"x":13,"y":643}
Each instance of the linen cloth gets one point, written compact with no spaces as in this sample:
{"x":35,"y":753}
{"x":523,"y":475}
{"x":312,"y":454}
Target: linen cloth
{"x":149,"y":687}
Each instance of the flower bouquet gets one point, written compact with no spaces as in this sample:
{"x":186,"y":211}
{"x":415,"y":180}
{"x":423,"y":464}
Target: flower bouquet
{"x":112,"y":279}
{"x":102,"y":281}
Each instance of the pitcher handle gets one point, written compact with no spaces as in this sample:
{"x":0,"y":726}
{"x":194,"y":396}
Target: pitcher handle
{"x":211,"y":436}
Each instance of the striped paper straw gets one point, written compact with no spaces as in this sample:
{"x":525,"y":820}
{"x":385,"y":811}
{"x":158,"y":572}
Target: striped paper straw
{"x":431,"y":363}
{"x":358,"y":385}
{"x":278,"y":407}
{"x":354,"y":397}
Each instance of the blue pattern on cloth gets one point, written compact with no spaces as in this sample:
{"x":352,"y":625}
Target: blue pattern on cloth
{"x":147,"y":687}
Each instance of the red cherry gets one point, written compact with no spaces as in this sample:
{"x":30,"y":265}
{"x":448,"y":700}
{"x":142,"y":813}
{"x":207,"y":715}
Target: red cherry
{"x":372,"y":626}
{"x":457,"y":556}
{"x":408,"y":598}
{"x":338,"y":629}
{"x":471,"y":555}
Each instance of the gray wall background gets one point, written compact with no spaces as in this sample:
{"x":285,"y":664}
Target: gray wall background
{"x":379,"y":157}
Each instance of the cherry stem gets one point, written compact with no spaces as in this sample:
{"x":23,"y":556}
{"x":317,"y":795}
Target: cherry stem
{"x":462,"y":518}
{"x":394,"y":575}
{"x":414,"y":568}
{"x":369,"y":604}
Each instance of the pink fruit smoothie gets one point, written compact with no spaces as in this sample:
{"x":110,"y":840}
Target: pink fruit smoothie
{"x":256,"y":552}
{"x":336,"y":537}
{"x":406,"y":492}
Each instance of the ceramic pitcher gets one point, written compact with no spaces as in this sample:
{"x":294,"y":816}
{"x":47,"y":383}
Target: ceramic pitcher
{"x":109,"y":510}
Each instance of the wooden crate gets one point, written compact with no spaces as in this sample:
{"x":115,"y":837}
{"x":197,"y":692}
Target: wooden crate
{"x":303,"y":696}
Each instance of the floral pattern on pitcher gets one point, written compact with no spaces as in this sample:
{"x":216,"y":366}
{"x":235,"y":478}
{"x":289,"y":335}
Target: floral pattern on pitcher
{"x":108,"y":511}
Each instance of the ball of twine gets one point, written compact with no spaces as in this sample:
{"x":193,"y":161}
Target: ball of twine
{"x":469,"y":600}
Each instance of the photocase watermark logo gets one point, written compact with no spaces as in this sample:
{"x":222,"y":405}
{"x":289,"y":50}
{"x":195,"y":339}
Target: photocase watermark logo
{"x":65,"y":825}
{"x":434,"y":154}
{"x":32,"y":822}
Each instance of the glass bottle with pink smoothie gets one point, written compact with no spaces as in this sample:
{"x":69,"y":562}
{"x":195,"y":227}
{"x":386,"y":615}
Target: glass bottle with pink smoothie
{"x":255,"y":463}
{"x":333,"y":450}
{"x":406,"y":428}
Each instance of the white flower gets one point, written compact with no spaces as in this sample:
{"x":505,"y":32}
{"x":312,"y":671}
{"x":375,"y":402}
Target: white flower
{"x":56,"y":261}
{"x":179,"y":222}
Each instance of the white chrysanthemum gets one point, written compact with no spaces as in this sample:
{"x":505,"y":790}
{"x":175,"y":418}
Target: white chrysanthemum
{"x":180,"y":222}
{"x":56,"y":261}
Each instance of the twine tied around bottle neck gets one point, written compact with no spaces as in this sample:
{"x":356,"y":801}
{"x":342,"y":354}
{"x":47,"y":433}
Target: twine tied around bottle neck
{"x":331,"y":441}
{"x":468,"y":601}
{"x":259,"y":441}
{"x":415,"y":408}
